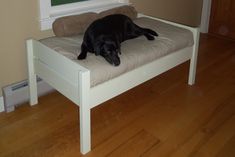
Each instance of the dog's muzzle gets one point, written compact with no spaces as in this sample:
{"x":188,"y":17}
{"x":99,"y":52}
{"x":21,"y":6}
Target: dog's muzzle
{"x":113,"y":59}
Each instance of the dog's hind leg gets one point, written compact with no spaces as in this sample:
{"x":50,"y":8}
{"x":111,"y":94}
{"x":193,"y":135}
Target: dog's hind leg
{"x":149,"y":37}
{"x":149,"y":34}
{"x":150,"y":31}
{"x":83,"y":53}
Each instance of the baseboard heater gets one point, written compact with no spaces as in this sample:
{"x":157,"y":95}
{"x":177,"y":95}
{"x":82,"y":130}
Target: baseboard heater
{"x":18,"y":93}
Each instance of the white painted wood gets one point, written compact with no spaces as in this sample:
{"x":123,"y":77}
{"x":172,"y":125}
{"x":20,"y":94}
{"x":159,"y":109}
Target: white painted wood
{"x":205,"y":18}
{"x":196,"y":36}
{"x":56,"y":80}
{"x":45,"y":6}
{"x":57,"y":62}
{"x":124,"y":1}
{"x":85,"y":122}
{"x":193,"y":60}
{"x":1,"y":104}
{"x":49,"y":13}
{"x":137,"y":76}
{"x":57,"y":70}
{"x":84,"y":6}
{"x":32,"y":78}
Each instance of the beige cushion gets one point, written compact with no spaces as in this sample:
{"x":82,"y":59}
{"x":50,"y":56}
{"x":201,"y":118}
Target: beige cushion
{"x":73,"y":25}
{"x":77,"y":24}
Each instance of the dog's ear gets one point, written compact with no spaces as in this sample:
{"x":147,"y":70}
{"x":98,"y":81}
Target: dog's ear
{"x":117,"y":45}
{"x":119,"y":51}
{"x":119,"y":48}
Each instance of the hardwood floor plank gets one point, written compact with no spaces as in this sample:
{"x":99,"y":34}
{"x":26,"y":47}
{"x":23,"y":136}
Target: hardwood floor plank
{"x":114,"y":141}
{"x":213,"y":146}
{"x":228,"y":149}
{"x":214,"y":121}
{"x":135,"y":146}
{"x":26,"y":132}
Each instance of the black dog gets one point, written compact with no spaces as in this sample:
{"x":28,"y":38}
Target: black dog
{"x":104,"y":36}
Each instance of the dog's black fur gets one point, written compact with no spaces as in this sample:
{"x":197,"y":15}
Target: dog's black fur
{"x":104,"y":36}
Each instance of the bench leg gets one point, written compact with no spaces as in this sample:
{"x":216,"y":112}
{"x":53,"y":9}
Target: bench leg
{"x":84,"y":112}
{"x":32,"y":78}
{"x":193,"y":60}
{"x":85,"y":133}
{"x":192,"y":71}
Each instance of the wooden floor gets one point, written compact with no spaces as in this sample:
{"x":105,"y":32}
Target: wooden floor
{"x":162,"y":118}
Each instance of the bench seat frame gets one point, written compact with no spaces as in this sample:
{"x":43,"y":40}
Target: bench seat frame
{"x":73,"y":80}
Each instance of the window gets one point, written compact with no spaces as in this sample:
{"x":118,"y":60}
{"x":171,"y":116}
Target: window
{"x":52,"y":9}
{"x":59,"y":2}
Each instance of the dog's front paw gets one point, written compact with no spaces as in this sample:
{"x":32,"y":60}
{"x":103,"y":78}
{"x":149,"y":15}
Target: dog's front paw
{"x":149,"y":37}
{"x":81,"y":56}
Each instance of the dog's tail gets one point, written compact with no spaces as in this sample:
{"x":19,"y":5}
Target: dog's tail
{"x":150,"y":31}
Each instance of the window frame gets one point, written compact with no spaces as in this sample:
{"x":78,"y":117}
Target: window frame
{"x":49,"y":13}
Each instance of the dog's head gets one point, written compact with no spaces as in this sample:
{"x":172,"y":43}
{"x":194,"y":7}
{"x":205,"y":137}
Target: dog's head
{"x":109,"y":49}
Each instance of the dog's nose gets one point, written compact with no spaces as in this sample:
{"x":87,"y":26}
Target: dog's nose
{"x":116,"y":62}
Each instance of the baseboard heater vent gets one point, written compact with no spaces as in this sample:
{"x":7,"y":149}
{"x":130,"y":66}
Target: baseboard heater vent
{"x":18,"y":93}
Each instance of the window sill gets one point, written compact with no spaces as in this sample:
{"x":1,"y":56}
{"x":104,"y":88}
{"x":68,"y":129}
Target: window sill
{"x":49,"y":14}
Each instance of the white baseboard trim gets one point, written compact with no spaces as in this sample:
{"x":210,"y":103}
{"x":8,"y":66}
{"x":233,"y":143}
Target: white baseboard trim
{"x":1,"y":104}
